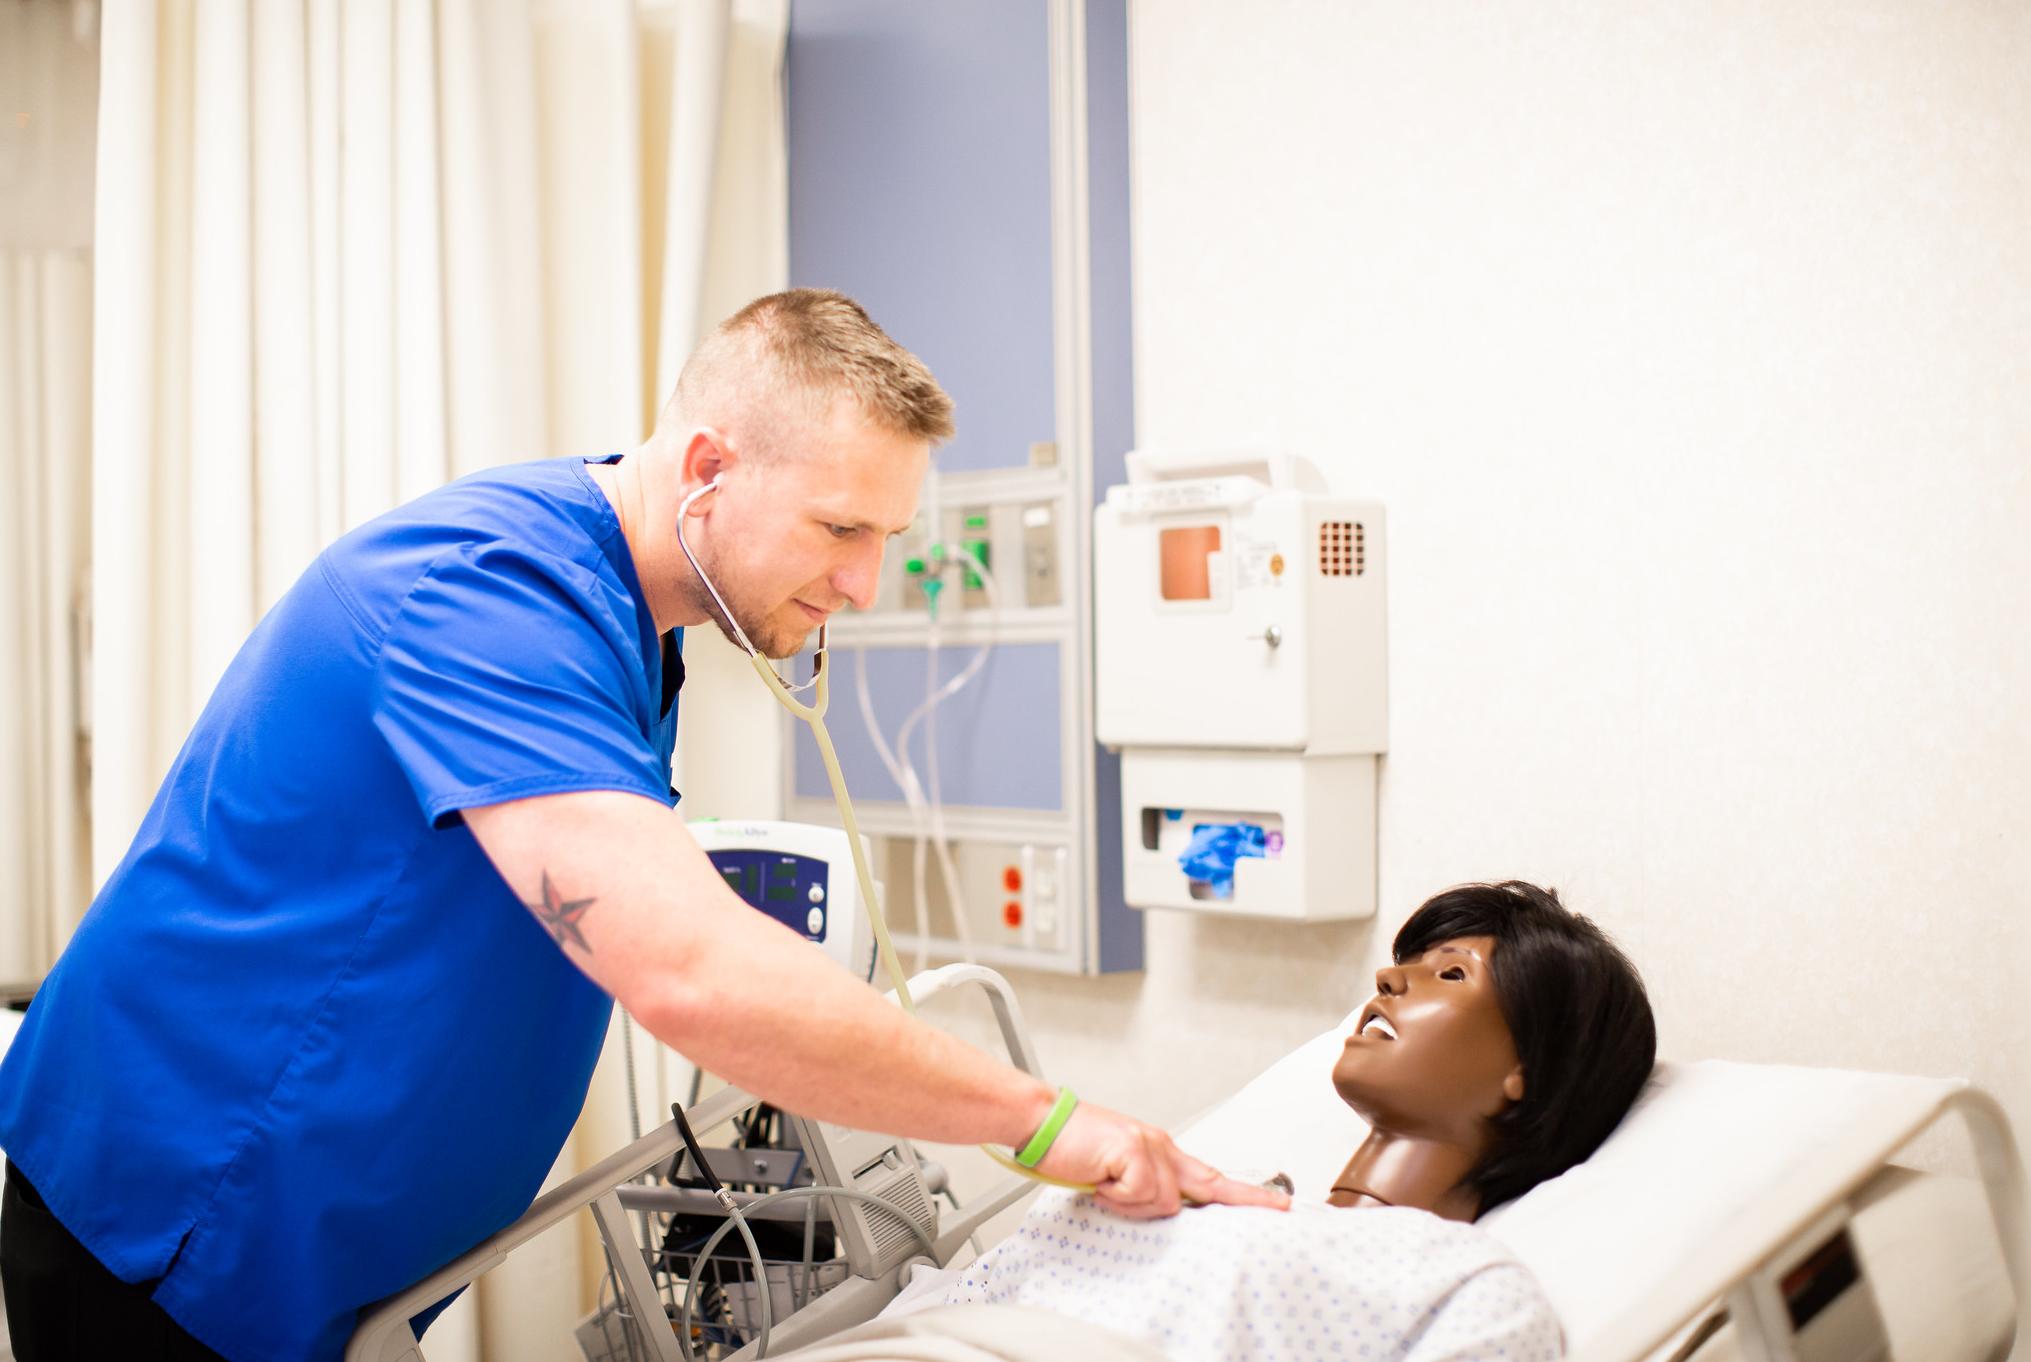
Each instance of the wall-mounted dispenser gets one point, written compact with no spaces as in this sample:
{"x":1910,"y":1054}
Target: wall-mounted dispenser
{"x":1242,"y":671}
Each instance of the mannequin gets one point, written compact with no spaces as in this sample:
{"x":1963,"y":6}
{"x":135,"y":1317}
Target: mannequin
{"x":1505,"y":1040}
{"x":1434,"y":1068}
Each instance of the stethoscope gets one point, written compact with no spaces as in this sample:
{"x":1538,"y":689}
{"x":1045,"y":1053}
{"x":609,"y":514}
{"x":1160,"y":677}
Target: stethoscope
{"x":813,"y":714}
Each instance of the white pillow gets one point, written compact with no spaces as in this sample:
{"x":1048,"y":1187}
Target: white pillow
{"x":1705,"y":1143}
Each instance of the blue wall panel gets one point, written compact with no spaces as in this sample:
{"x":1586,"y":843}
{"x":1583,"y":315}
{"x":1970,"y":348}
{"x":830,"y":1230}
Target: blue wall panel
{"x":920,"y":183}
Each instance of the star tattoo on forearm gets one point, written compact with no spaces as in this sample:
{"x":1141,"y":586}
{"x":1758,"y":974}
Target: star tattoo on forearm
{"x":561,"y":915}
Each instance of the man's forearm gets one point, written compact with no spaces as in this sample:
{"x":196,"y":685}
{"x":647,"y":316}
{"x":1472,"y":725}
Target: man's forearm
{"x":632,"y":900}
{"x":760,"y":1008}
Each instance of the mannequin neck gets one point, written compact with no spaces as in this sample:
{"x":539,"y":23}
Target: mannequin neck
{"x":1390,"y":1169}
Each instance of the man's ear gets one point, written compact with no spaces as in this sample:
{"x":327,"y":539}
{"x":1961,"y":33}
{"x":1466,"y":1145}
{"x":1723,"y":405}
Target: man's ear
{"x":1512,"y":1086}
{"x":705,"y":458}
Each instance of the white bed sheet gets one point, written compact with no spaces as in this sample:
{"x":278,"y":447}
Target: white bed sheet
{"x":1249,"y":1284}
{"x":1703,"y":1143}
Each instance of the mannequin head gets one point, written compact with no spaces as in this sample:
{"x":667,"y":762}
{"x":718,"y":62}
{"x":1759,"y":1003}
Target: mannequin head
{"x":1521,"y":1036}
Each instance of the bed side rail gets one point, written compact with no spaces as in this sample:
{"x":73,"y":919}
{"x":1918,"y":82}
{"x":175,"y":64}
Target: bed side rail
{"x":1766,"y":1231}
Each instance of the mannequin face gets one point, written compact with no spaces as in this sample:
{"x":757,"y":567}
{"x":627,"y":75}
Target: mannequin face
{"x":1452,"y":1063}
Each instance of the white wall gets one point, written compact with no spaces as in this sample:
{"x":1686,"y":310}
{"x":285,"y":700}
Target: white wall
{"x":1690,"y":349}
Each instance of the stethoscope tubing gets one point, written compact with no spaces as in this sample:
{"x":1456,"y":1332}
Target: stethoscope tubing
{"x":813,"y":714}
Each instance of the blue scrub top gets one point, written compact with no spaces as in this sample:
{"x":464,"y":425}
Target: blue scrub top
{"x":306,"y":1047}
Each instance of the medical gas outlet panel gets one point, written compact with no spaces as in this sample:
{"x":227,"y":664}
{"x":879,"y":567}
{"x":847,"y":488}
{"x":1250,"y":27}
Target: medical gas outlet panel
{"x":1242,"y":671}
{"x":957,"y":709}
{"x":995,"y":540}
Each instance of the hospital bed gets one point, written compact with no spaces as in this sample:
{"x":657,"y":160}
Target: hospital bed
{"x":1750,"y":1211}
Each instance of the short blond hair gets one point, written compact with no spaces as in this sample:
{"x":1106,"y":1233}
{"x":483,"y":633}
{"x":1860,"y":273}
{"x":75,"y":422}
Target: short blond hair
{"x":803,"y":348}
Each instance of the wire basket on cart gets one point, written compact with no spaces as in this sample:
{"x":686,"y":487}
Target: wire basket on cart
{"x":674,"y":1217}
{"x":727,"y":1316}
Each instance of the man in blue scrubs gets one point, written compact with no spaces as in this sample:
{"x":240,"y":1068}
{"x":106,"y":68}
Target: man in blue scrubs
{"x":331,"y":1019}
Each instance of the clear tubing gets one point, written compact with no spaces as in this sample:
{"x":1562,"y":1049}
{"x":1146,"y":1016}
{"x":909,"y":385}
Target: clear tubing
{"x":904,"y":772}
{"x":905,"y":777}
{"x":966,"y":675}
{"x":926,"y":713}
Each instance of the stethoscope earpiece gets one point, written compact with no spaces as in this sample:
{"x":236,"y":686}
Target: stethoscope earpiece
{"x":684,"y":507}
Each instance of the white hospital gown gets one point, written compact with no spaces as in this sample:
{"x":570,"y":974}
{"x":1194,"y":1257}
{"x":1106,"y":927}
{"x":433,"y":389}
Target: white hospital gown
{"x":1369,"y":1284}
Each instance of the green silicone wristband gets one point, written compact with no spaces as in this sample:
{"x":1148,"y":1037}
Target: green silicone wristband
{"x":1047,"y":1134}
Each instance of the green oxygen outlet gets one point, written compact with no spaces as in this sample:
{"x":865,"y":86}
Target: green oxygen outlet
{"x":976,"y":545}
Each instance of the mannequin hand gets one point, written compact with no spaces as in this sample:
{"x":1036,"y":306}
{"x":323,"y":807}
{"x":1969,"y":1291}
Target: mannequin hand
{"x":1135,"y":1170}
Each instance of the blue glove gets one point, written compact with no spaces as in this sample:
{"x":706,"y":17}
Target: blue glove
{"x":1210,"y":856}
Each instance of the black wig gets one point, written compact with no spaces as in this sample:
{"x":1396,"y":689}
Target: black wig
{"x":1577,"y":1012}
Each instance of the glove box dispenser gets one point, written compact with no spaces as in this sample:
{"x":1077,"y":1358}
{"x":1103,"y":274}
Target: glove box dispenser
{"x":1241,"y":670}
{"x":1314,"y":861}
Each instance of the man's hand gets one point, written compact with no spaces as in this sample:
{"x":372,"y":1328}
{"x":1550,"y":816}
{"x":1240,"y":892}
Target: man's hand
{"x":1136,"y":1170}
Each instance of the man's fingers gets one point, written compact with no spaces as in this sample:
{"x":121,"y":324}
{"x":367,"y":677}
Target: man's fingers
{"x":1142,"y":1183}
{"x":1225,"y":1191}
{"x":1207,"y":1185}
{"x":1163,"y":1158}
{"x":1133,"y":1183}
{"x":1150,"y":1185}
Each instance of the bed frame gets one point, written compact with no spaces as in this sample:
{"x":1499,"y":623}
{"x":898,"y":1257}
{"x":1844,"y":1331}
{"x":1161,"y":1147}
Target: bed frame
{"x":1736,"y":1270}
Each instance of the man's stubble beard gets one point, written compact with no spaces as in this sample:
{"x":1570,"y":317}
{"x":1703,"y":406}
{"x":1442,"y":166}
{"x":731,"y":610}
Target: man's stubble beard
{"x":761,"y":632}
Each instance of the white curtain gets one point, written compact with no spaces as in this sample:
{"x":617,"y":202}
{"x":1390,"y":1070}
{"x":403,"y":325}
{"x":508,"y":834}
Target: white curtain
{"x":348,"y":249}
{"x":48,"y":90}
{"x":281,"y":350}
